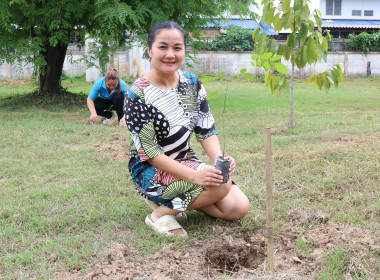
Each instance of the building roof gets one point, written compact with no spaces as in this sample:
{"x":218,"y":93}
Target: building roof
{"x":351,"y":23}
{"x":248,"y":24}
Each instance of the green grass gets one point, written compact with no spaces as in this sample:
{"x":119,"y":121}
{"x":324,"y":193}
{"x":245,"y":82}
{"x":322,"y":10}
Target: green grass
{"x":334,"y":265}
{"x":65,"y":188}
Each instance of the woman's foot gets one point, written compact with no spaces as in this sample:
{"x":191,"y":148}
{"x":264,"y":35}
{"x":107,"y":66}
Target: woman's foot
{"x":166,"y":225}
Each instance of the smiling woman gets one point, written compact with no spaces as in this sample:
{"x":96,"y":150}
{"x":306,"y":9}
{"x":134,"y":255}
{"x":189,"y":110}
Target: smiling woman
{"x":162,"y":110}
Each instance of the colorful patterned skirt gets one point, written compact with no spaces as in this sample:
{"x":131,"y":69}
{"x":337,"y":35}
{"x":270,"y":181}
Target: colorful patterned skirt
{"x":164,"y":188}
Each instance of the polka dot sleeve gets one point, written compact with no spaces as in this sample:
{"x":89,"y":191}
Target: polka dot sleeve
{"x":140,"y":125}
{"x":204,"y":127}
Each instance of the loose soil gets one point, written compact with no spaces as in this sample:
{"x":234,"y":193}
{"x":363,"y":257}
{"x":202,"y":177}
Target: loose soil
{"x":240,"y":255}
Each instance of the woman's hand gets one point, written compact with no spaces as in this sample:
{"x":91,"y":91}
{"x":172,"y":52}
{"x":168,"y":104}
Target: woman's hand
{"x":232,"y":165}
{"x":94,"y":118}
{"x":208,"y":177}
{"x":122,"y":121}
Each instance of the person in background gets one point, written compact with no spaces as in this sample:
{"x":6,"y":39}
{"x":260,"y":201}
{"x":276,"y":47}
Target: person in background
{"x":162,"y":109}
{"x":107,"y":93}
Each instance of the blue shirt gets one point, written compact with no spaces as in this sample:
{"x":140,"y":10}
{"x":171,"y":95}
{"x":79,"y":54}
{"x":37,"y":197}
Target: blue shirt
{"x":100,"y":89}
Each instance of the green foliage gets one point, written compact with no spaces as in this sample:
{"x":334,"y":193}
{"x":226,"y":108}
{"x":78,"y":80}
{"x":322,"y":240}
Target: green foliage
{"x":34,"y":31}
{"x":305,"y":45}
{"x":235,"y":39}
{"x":363,"y":42}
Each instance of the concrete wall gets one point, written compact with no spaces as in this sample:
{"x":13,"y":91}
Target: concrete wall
{"x":131,"y":64}
{"x":72,"y":67}
{"x":352,"y":64}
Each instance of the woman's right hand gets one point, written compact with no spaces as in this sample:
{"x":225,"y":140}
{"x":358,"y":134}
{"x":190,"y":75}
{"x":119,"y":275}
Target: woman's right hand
{"x":208,"y":177}
{"x":94,"y":118}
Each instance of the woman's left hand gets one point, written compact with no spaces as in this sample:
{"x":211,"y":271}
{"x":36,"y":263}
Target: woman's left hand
{"x":232,"y":165}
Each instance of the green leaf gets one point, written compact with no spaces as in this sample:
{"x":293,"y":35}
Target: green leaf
{"x":281,"y":80}
{"x":281,"y":68}
{"x":311,"y":24}
{"x":284,"y":88}
{"x":255,"y":32}
{"x":265,"y":13}
{"x":310,"y":51}
{"x":255,"y":56}
{"x":302,"y":57}
{"x":276,"y":57}
{"x":211,"y":95}
{"x":271,"y":16}
{"x":252,"y":63}
{"x":272,"y":45}
{"x":259,"y":63}
{"x":249,"y":76}
{"x":267,"y":79}
{"x":320,"y":38}
{"x":302,"y":34}
{"x":277,"y":23}
{"x":330,"y":80}
{"x":305,"y":11}
{"x":328,"y":34}
{"x":266,"y":65}
{"x":335,"y":77}
{"x":206,"y":79}
{"x":261,"y":40}
{"x":290,"y":41}
{"x":243,"y":70}
{"x":285,"y":5}
{"x":265,"y":56}
{"x":339,"y":70}
{"x":287,"y":20}
{"x":326,"y":82}
{"x":219,"y":75}
{"x":320,"y":81}
{"x":310,"y":79}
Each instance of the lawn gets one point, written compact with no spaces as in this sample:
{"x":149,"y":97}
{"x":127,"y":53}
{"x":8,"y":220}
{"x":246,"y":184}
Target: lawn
{"x":67,"y":203}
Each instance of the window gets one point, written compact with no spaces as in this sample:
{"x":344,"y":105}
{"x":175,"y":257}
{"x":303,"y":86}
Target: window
{"x":368,"y":13}
{"x":356,"y":12}
{"x":333,"y":7}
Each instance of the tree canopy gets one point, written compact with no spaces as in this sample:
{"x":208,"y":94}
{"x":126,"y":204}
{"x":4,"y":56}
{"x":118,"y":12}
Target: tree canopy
{"x":306,"y":44}
{"x":38,"y":31}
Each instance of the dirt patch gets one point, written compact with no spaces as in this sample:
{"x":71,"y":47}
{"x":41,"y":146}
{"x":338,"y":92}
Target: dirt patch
{"x":308,"y":216}
{"x":16,"y":82}
{"x":117,"y":148}
{"x":238,"y":256}
{"x":234,"y":254}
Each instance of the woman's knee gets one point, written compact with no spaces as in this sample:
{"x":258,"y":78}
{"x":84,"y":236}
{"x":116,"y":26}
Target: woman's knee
{"x":238,"y":208}
{"x":221,"y":191}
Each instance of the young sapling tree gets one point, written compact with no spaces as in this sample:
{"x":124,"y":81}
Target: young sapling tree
{"x":222,"y":163}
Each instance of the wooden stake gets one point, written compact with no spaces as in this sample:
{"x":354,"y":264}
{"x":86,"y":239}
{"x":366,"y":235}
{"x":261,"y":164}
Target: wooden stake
{"x":269,"y":196}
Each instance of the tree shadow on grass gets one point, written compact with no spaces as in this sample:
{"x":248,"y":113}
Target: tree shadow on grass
{"x":52,"y":101}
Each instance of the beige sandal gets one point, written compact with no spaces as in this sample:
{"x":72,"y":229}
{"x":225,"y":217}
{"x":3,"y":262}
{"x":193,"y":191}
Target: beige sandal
{"x":153,"y":205}
{"x":165,"y":224}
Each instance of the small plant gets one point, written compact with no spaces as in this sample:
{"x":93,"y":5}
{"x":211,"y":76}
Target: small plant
{"x":221,"y":164}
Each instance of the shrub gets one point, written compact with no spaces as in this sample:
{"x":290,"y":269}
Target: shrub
{"x":235,"y":39}
{"x":363,"y":42}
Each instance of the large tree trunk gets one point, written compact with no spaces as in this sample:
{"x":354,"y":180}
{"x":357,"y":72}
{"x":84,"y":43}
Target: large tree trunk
{"x":50,"y":76}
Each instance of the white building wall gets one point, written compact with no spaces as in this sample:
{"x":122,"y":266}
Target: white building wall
{"x":349,"y":5}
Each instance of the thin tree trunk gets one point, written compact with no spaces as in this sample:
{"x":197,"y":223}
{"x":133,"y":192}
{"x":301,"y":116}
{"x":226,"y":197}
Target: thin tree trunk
{"x":50,"y":75}
{"x":291,"y":123}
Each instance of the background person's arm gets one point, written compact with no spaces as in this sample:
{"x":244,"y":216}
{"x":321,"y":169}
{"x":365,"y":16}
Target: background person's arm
{"x":91,"y":108}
